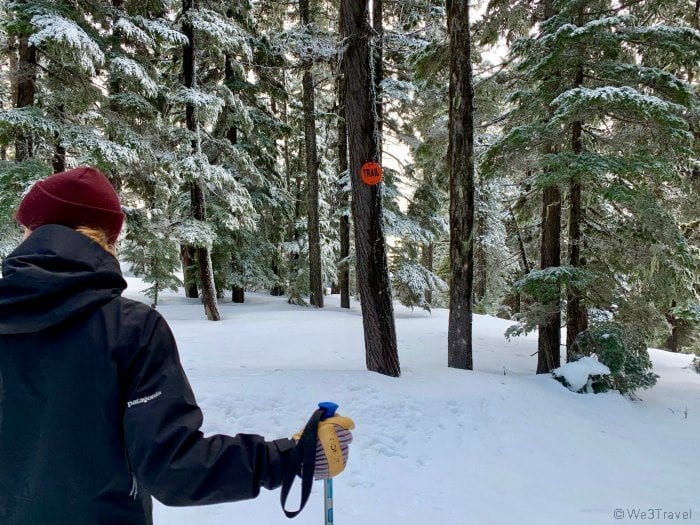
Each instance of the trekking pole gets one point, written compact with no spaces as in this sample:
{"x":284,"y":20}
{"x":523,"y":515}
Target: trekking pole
{"x":320,"y":427}
{"x":328,"y":412}
{"x":328,"y":500}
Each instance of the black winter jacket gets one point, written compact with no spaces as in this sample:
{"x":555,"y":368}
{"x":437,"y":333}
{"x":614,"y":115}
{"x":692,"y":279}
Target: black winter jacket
{"x":96,"y":413}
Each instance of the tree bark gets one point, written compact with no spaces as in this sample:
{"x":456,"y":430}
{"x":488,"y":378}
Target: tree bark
{"x":187,"y":258}
{"x":11,"y":51}
{"x":313,"y":226}
{"x":114,"y":87}
{"x":461,"y":165}
{"x":187,"y":253}
{"x":291,"y":227}
{"x":204,"y":266}
{"x":13,"y":66}
{"x":696,"y":25}
{"x":516,"y":301}
{"x":480,"y":258}
{"x":26,"y":90}
{"x":673,"y":341}
{"x":344,"y":270}
{"x":378,"y":57}
{"x":576,"y":312}
{"x":277,"y":289}
{"x":427,"y":262}
{"x":372,"y":268}
{"x":549,"y":332}
{"x":521,"y":243}
{"x":237,"y":292}
{"x":59,"y":153}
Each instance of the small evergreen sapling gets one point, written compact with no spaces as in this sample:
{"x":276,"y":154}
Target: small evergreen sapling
{"x":582,"y":374}
{"x":152,"y":249}
{"x":622,"y":351}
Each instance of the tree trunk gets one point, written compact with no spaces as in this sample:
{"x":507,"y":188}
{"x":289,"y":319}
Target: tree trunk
{"x":237,"y":292}
{"x":673,"y":342}
{"x":516,"y":298}
{"x":461,"y":166}
{"x":549,"y":332}
{"x":378,"y":57}
{"x":59,"y":153}
{"x":372,"y":268}
{"x":291,"y":233}
{"x":206,"y":272}
{"x":277,"y":289}
{"x":313,"y":226}
{"x":521,"y":243}
{"x":26,"y":86}
{"x":13,"y":67}
{"x":576,"y":312}
{"x":114,"y":87}
{"x":480,"y":258}
{"x":187,"y":257}
{"x":696,"y":25}
{"x":297,"y":216}
{"x":11,"y":51}
{"x":427,"y":262}
{"x":344,"y":270}
{"x":188,"y":253}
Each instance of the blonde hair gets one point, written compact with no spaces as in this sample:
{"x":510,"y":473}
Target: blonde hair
{"x":99,"y":236}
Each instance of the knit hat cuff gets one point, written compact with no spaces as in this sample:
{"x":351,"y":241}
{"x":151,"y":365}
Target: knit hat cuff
{"x":47,"y":208}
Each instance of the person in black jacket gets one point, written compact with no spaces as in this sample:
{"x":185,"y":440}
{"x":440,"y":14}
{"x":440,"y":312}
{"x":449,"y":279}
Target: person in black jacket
{"x":96,"y":413}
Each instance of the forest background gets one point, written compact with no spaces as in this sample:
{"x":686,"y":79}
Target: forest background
{"x":227,"y":128}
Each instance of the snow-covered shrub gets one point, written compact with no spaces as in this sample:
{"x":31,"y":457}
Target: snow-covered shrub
{"x":622,"y":351}
{"x":581,"y":375}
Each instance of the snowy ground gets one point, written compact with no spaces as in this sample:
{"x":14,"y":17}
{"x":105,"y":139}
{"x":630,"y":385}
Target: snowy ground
{"x":498,"y":446}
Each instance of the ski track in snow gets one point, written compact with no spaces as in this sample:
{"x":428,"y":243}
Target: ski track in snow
{"x":437,"y":445}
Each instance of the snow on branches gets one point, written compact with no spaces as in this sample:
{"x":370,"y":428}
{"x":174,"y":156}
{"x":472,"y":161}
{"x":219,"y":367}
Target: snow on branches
{"x":622,"y":101}
{"x":207,"y":104}
{"x":66,"y":35}
{"x":227,"y":34}
{"x":307,"y":43}
{"x":127,"y":68}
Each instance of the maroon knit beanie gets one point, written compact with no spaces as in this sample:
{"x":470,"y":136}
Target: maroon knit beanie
{"x":79,"y":197}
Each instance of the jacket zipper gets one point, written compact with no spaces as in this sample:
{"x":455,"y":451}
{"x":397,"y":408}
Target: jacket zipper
{"x":134,"y":484}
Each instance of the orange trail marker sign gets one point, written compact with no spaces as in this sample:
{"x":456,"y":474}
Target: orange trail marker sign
{"x":371,"y":173}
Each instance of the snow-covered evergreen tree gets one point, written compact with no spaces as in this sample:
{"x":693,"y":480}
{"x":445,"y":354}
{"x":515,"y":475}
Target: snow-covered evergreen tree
{"x":595,"y":117}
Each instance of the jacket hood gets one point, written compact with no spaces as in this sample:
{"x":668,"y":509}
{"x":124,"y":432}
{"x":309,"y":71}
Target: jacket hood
{"x":55,"y":275}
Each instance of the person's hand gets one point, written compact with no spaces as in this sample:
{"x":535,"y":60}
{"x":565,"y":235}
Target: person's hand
{"x":342,"y":439}
{"x":332,"y":446}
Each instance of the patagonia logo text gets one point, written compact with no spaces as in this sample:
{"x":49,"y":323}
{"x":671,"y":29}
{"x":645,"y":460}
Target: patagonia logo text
{"x":140,"y":400}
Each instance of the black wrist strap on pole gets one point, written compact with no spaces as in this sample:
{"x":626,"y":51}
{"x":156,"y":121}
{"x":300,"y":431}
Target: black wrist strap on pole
{"x":304,"y":456}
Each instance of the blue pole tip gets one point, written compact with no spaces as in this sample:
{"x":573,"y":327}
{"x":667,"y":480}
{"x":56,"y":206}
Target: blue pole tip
{"x":328,"y":408}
